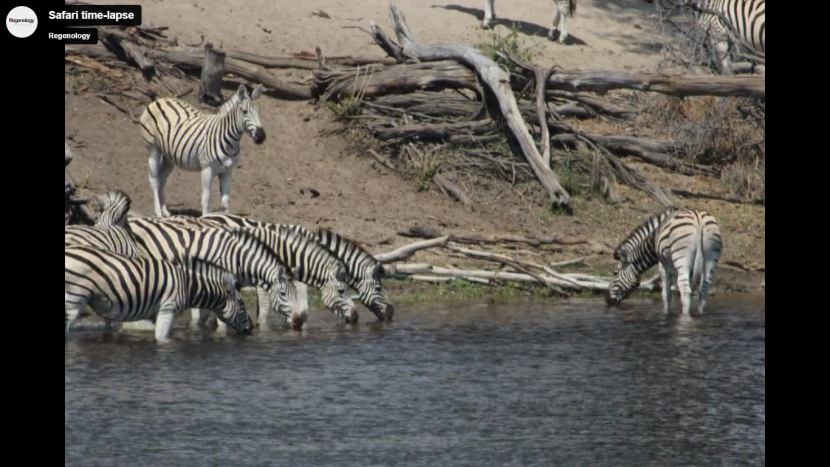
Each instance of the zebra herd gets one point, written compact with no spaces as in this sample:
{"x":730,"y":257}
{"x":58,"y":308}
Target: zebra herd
{"x":745,"y":20}
{"x":150,"y":270}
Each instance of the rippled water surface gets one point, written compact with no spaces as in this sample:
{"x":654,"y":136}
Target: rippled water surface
{"x":542,"y":383}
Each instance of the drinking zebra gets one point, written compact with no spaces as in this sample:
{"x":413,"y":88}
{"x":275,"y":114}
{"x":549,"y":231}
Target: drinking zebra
{"x":311,"y":263}
{"x":253,"y":261}
{"x":746,"y":20}
{"x":120,"y":288}
{"x":563,"y":9}
{"x":364,"y":270}
{"x":686,"y":244}
{"x":180,"y":135}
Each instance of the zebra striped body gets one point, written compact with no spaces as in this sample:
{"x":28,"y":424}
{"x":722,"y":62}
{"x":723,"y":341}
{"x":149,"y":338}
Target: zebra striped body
{"x":686,"y":244}
{"x":252,"y":261}
{"x":180,"y":135}
{"x":563,"y":9}
{"x":120,"y":288}
{"x":310,"y":261}
{"x":365,"y":272}
{"x":745,"y":19}
{"x":111,"y":230}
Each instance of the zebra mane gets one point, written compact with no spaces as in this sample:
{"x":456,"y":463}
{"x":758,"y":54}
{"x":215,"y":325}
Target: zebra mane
{"x":641,"y":232}
{"x":334,"y":241}
{"x":117,"y":204}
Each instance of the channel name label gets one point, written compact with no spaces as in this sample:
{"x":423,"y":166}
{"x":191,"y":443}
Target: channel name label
{"x":98,"y":15}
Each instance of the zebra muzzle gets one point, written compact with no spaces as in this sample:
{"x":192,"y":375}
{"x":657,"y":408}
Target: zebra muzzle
{"x":258,"y":135}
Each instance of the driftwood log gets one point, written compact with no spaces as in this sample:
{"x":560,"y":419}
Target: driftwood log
{"x":213,"y":72}
{"x":498,"y":83}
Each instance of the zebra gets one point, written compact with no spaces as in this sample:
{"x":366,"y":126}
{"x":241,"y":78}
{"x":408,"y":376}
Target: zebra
{"x":180,"y":135}
{"x":364,"y":270}
{"x":745,"y":20}
{"x":110,"y":231}
{"x":686,"y":244}
{"x":131,"y":289}
{"x":253,"y":261}
{"x":563,"y":9}
{"x":310,"y":261}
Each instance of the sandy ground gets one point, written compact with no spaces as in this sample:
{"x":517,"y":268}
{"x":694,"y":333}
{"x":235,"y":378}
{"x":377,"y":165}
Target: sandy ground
{"x":358,"y":198}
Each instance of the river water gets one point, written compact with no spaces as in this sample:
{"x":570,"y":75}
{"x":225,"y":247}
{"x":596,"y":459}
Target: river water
{"x":522,"y":384}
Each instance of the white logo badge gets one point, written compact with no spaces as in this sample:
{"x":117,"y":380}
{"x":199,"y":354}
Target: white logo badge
{"x":21,"y":21}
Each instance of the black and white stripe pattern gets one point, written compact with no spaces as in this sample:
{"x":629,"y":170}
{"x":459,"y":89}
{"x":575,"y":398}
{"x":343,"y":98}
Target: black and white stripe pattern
{"x":746,"y":20}
{"x":253,"y":262}
{"x":563,"y":9}
{"x":686,"y":244}
{"x":120,"y":288}
{"x":180,"y":135}
{"x":311,"y":262}
{"x":365,"y":272}
{"x":111,"y":230}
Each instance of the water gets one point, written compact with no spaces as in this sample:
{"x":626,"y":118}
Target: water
{"x":536,"y":384}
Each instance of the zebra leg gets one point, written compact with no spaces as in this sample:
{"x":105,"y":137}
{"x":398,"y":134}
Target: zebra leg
{"x":263,"y":306}
{"x":160,"y":169}
{"x":70,"y":315}
{"x":221,"y":327}
{"x":705,"y":284}
{"x":685,"y":288}
{"x":207,"y":181}
{"x":559,"y":19}
{"x":668,"y":280}
{"x":225,"y":188}
{"x":489,"y":13}
{"x":164,"y":325}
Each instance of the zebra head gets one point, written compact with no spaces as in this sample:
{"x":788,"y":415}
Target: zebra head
{"x":371,"y":292}
{"x":335,"y":297}
{"x":626,"y":280}
{"x":285,"y":299}
{"x":248,"y":112}
{"x":234,"y":313}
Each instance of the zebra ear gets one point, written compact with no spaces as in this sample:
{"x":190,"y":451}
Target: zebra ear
{"x":617,"y":256}
{"x":257,"y":93}
{"x":241,"y":93}
{"x":379,"y":272}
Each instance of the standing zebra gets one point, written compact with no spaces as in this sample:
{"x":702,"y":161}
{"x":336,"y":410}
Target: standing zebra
{"x":253,"y":261}
{"x":310,"y":261}
{"x":746,"y":20}
{"x":131,"y":289}
{"x":563,"y":9}
{"x":686,"y":244}
{"x":178,"y":134}
{"x":111,"y":230}
{"x":364,"y":270}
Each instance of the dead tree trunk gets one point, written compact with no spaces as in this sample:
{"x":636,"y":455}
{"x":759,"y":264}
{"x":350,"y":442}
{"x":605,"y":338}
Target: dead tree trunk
{"x":213,"y":71}
{"x":499,"y":83}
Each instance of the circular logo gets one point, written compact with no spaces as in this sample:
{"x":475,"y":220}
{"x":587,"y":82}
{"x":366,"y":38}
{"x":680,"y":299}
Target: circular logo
{"x":21,"y":21}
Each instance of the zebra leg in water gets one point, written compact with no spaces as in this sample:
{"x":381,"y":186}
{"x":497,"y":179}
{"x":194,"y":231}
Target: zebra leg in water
{"x":669,"y":277}
{"x":164,"y":322}
{"x":160,"y":170}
